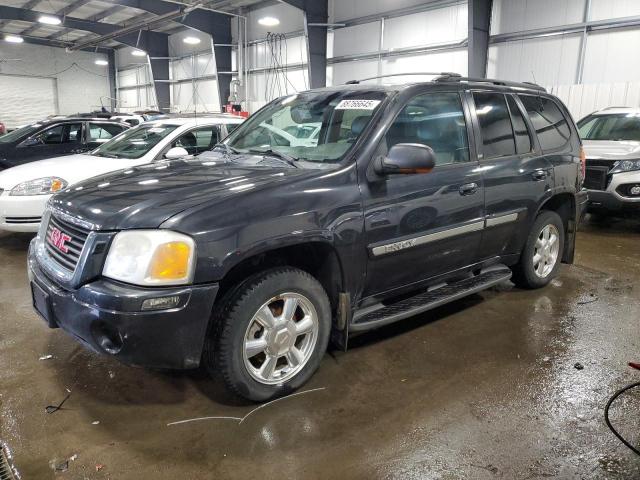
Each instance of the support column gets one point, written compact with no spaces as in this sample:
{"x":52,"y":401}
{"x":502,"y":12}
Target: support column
{"x":479,"y":13}
{"x":316,"y":14}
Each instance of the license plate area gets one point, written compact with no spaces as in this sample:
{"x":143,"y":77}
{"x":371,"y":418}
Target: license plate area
{"x":42,"y":304}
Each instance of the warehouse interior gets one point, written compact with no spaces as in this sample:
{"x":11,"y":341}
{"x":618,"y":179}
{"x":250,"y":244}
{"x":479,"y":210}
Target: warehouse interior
{"x":503,"y":383}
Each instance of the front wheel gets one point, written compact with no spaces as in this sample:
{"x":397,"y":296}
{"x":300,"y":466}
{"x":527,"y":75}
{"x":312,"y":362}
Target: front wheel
{"x":542,"y":254}
{"x":272,"y":331}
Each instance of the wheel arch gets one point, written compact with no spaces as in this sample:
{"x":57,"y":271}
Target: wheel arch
{"x":318,"y":258}
{"x":564,"y":204}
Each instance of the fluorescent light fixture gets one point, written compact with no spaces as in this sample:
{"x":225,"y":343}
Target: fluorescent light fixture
{"x":269,"y":21}
{"x":13,"y":39}
{"x":138,"y":53}
{"x":49,"y":20}
{"x":101,"y":62}
{"x":191,"y":40}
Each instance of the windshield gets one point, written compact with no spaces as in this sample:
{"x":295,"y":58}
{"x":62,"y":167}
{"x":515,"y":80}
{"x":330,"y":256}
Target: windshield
{"x":20,"y":133}
{"x":134,"y":143}
{"x":311,"y":126}
{"x":624,"y":126}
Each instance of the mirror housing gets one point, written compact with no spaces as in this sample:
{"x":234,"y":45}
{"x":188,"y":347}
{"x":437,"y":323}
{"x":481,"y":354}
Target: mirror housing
{"x":176,"y":153}
{"x":406,"y":158}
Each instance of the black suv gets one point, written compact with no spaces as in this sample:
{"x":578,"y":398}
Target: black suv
{"x":55,"y":137}
{"x":250,"y":257}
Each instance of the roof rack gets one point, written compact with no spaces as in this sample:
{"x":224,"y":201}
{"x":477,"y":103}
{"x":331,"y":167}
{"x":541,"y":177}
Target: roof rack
{"x":493,"y":81}
{"x":439,"y":74}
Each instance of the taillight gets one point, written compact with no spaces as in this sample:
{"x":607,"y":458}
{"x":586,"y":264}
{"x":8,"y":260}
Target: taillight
{"x":583,"y":164}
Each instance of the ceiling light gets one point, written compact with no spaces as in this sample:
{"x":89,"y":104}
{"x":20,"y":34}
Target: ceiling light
{"x":49,"y":20}
{"x":138,"y":53}
{"x":269,"y":21}
{"x":101,"y":62}
{"x":191,"y":40}
{"x":13,"y":39}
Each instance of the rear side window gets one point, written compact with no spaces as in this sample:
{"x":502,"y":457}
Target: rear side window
{"x":495,"y":125}
{"x":523,"y":140}
{"x":550,"y":124}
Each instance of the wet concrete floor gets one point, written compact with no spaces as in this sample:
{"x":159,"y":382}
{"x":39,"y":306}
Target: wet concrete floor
{"x":484,"y":388}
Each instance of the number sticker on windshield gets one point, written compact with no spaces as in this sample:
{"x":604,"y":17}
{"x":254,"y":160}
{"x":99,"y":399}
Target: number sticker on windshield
{"x":156,"y":130}
{"x":357,"y":104}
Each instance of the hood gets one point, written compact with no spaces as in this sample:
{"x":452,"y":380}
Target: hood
{"x":611,"y":150}
{"x":147,"y":196}
{"x":71,"y":168}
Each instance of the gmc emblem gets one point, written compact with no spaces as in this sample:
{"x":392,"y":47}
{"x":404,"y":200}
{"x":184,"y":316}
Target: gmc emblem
{"x":59,"y":239}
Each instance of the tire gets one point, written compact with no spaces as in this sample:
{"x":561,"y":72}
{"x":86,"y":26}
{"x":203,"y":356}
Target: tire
{"x":526,"y":273}
{"x":259,"y":320}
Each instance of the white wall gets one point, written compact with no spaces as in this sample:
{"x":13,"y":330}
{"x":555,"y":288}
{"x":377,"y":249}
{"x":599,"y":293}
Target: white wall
{"x":79,"y":81}
{"x":518,"y":15}
{"x":429,"y":28}
{"x":194,"y":93}
{"x":134,"y":79}
{"x":587,"y":98}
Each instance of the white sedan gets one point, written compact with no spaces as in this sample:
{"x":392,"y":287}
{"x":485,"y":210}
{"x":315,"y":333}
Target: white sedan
{"x":25,"y":189}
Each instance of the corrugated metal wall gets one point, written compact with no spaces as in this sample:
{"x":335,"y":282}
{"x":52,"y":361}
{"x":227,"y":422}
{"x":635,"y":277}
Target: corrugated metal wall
{"x":79,"y":83}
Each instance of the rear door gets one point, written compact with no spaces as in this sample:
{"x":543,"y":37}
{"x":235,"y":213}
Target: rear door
{"x":516,"y":174}
{"x":420,"y":226}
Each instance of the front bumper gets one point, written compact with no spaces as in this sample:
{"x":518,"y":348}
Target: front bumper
{"x":21,"y":213}
{"x":106,"y":317}
{"x":611,"y":199}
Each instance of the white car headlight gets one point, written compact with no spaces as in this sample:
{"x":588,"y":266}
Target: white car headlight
{"x":625,"y":166}
{"x":39,"y":186}
{"x":151,"y":258}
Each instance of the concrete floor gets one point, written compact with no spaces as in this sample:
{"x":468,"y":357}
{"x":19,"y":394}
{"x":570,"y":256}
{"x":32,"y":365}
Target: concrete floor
{"x":483,"y":388}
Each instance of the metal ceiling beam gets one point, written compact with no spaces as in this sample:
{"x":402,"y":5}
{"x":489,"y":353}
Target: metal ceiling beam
{"x":216,"y":24}
{"x":479,"y":15}
{"x":60,"y":13}
{"x":56,"y":43}
{"x":316,"y":16}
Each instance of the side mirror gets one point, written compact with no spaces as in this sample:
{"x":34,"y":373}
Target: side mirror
{"x":406,"y":158}
{"x":31,"y":142}
{"x":175,"y":153}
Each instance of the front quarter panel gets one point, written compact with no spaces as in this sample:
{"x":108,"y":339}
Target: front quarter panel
{"x":321,"y":207}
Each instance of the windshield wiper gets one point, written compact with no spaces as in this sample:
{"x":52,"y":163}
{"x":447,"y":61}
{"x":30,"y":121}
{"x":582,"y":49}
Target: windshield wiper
{"x":227,"y":149}
{"x":279,"y":155}
{"x":107,"y":155}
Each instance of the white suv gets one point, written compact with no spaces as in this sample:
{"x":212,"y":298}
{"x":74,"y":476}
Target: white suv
{"x":25,"y":189}
{"x":611,"y":139}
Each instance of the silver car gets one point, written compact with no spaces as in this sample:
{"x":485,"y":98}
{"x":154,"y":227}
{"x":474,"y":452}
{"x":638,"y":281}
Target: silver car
{"x":611,"y":140}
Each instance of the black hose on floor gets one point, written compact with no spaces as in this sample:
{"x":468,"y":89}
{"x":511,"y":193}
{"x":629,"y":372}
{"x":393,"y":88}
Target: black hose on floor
{"x":606,"y":415}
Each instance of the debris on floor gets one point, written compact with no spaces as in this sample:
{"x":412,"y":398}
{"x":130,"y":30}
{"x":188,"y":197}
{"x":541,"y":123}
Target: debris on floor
{"x":46,"y":357}
{"x":55,"y":408}
{"x":242,"y":419}
{"x":99,"y":467}
{"x":578,"y":366}
{"x":592,"y":298}
{"x":96,"y":422}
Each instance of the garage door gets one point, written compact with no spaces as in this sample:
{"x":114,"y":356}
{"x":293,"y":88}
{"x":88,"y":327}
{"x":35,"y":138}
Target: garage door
{"x":26,"y":99}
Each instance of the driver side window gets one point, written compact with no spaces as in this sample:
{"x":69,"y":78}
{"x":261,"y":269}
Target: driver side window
{"x":436,"y":120}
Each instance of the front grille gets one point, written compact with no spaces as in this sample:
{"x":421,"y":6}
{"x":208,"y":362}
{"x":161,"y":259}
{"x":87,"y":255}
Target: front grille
{"x":77,"y":236}
{"x":19,"y":220}
{"x":596,"y":178}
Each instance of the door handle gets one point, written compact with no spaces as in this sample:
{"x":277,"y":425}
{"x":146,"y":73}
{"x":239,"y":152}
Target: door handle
{"x":539,"y":175}
{"x":468,"y":189}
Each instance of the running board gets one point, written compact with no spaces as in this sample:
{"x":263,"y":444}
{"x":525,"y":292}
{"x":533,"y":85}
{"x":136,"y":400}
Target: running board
{"x":379,"y":315}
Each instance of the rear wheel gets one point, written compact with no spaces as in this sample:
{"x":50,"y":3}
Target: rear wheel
{"x":272,"y":331}
{"x":542,"y":254}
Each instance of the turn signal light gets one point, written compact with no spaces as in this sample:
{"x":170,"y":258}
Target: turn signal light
{"x":170,"y":261}
{"x":583,"y":163}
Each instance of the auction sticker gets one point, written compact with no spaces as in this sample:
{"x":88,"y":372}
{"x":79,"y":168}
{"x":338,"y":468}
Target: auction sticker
{"x":357,"y":104}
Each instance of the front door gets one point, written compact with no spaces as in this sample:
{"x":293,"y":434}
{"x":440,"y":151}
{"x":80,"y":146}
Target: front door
{"x":60,"y":139}
{"x":419,"y":226}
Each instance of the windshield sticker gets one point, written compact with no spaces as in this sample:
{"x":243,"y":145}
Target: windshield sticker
{"x":156,"y":130}
{"x":357,"y":104}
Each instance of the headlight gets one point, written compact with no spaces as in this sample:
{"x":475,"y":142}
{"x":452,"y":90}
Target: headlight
{"x":151,"y":258}
{"x":39,"y":186}
{"x":625,"y":166}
